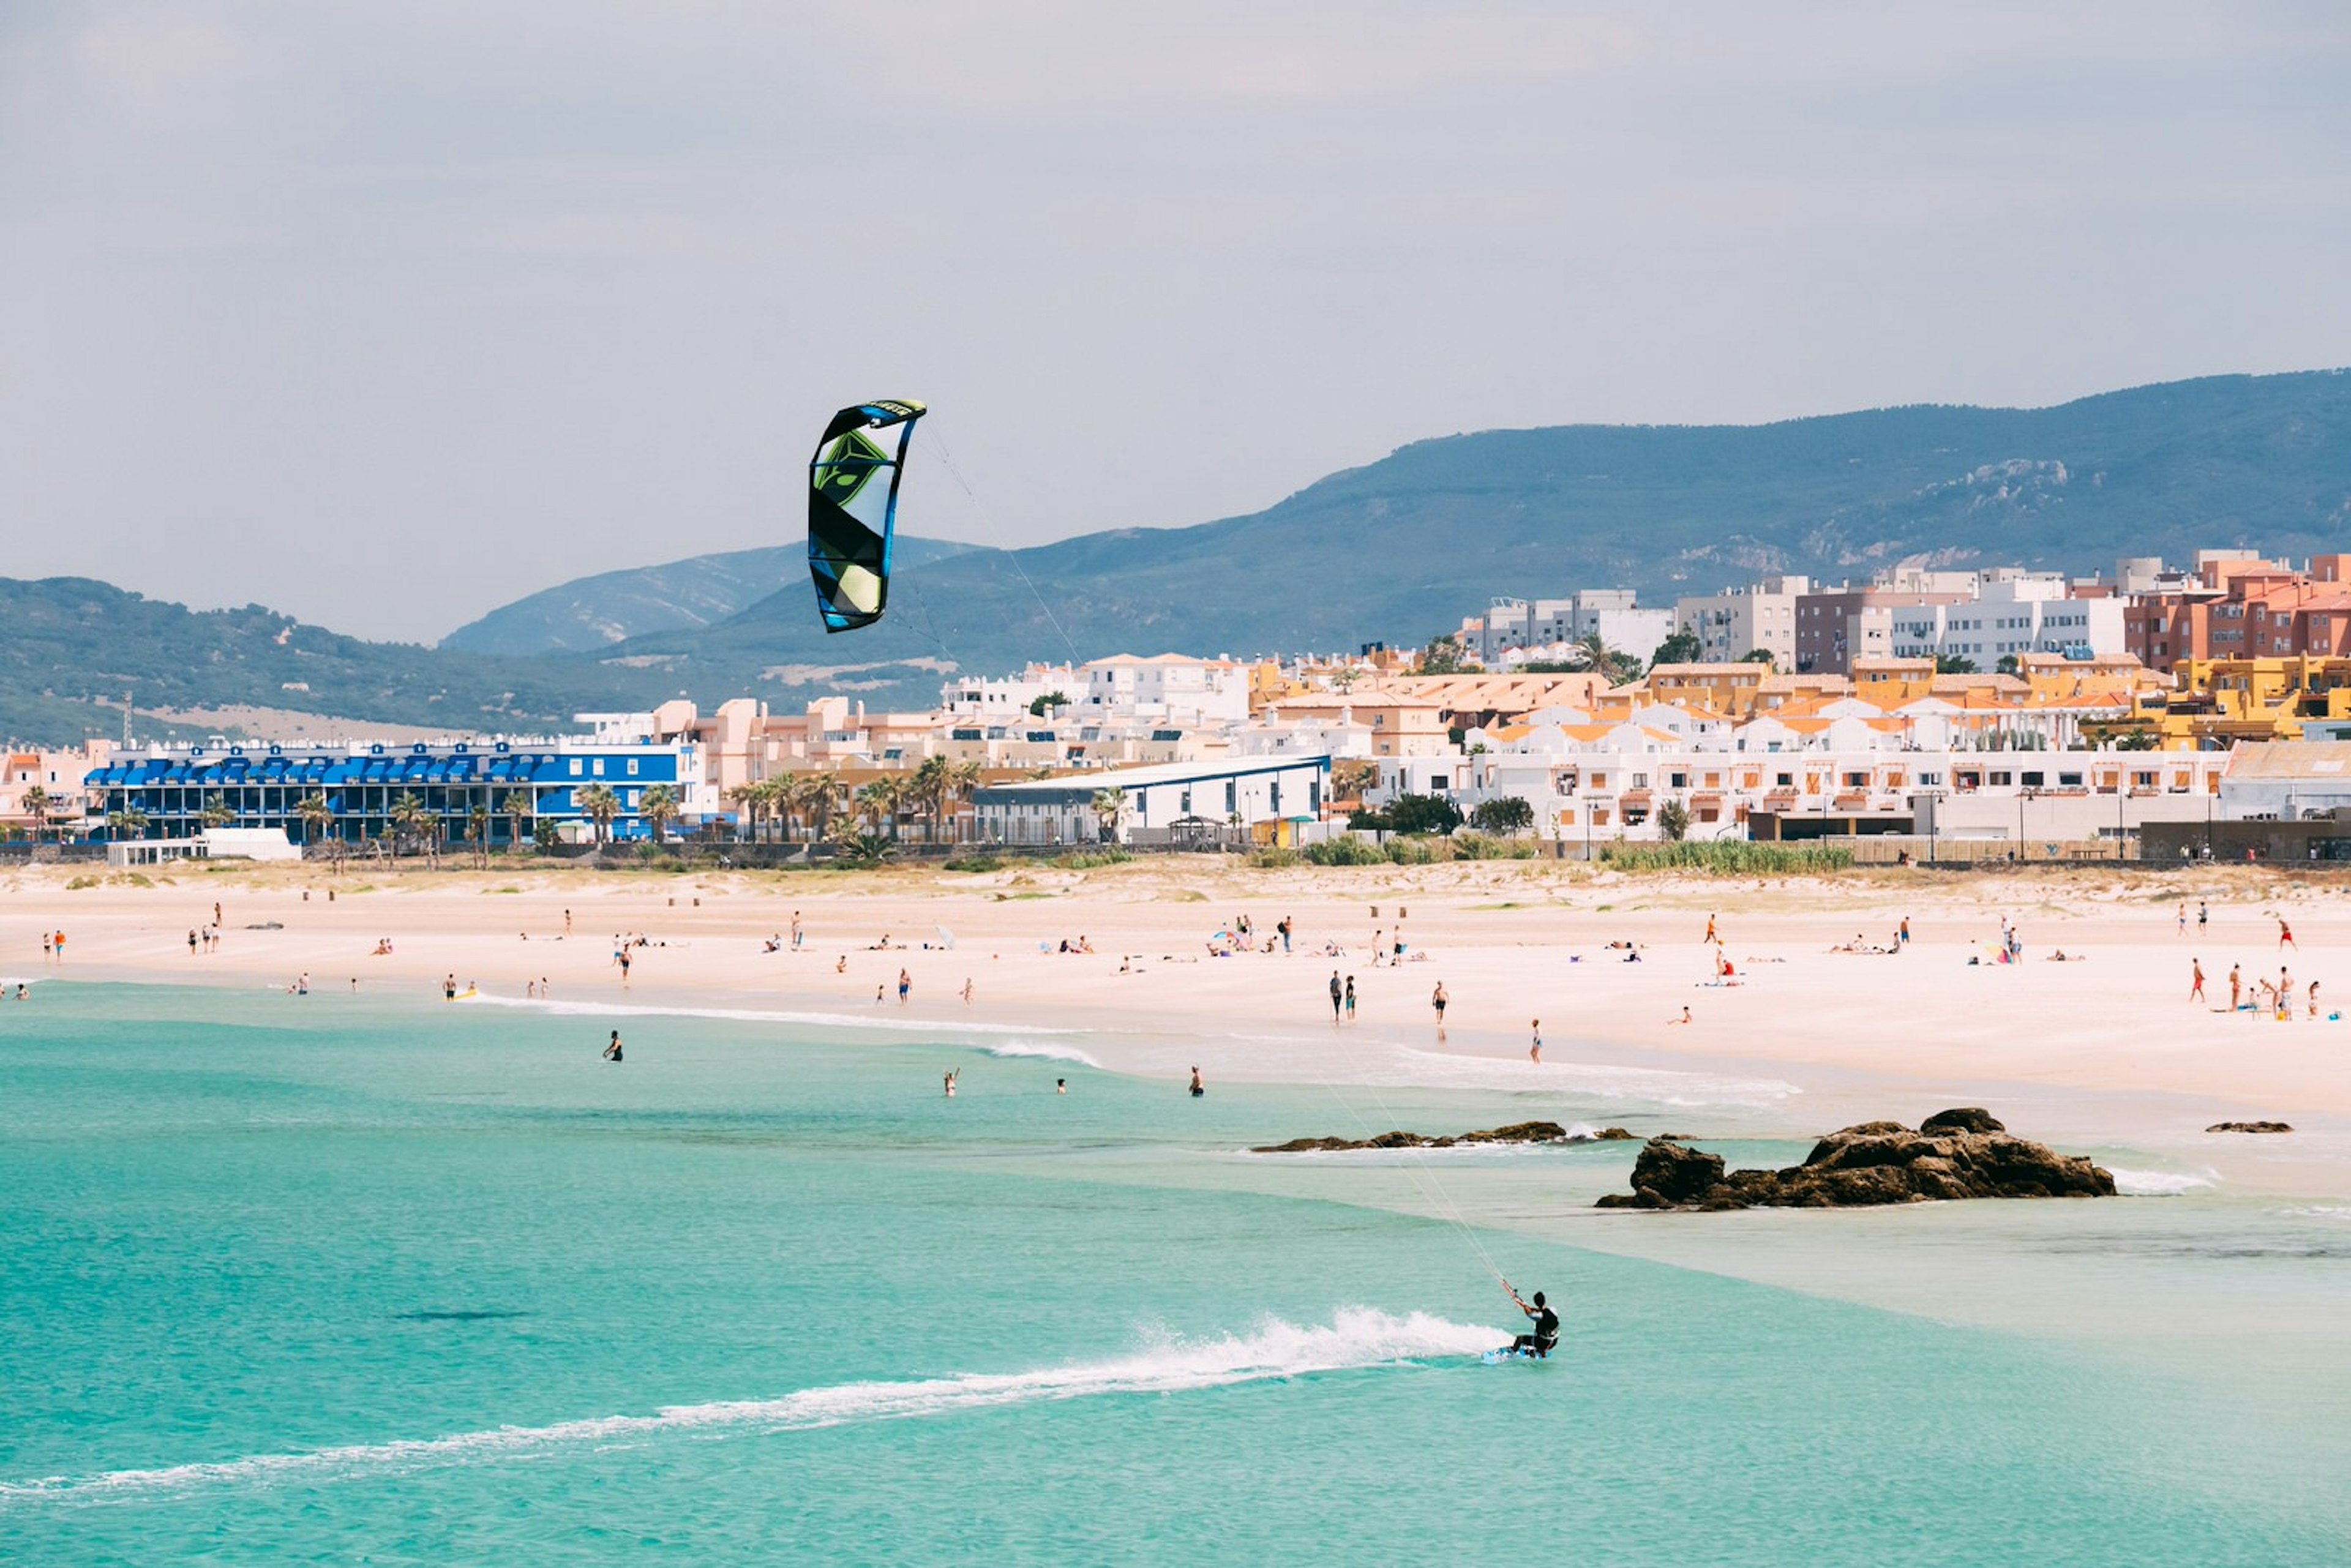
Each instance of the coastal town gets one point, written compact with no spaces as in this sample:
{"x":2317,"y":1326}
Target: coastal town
{"x":2159,"y":712}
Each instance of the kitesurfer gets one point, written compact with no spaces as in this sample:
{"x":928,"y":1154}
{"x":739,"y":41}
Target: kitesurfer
{"x":1545,"y":1333}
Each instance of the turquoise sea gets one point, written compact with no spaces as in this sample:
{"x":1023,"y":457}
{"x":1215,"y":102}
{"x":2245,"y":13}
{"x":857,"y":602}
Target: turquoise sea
{"x":348,"y":1280}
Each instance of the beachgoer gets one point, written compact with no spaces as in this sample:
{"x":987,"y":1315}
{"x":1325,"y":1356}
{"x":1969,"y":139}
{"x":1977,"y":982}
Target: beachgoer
{"x":1437,"y":999}
{"x":1683,"y":1019}
{"x":624,"y":966}
{"x":1351,"y":999}
{"x":796,"y":930}
{"x":905,"y":987}
{"x":1060,"y":1086}
{"x":1534,"y":1053}
{"x":192,"y":942}
{"x":2183,"y":920}
{"x":840,"y":965}
{"x":1199,"y":1086}
{"x":1284,"y":928}
{"x":1538,"y":1343}
{"x":951,"y":1081}
{"x":2286,"y":935}
{"x":613,"y":1052}
{"x":2196,"y":985}
{"x":1338,"y":995}
{"x":1902,"y":936}
{"x":302,"y":984}
{"x":2236,"y":985}
{"x":967,"y":990}
{"x":567,"y":922}
{"x":449,"y":988}
{"x":1379,"y":946}
{"x":1710,"y":937}
{"x":2202,"y":916}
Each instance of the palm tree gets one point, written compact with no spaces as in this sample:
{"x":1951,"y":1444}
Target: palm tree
{"x":216,"y":813}
{"x":516,"y":806}
{"x":930,"y":787}
{"x":880,"y":801}
{"x":964,"y":778}
{"x":316,"y":815}
{"x":129,"y":822}
{"x":817,"y":796}
{"x":659,"y":807}
{"x":1110,"y":805}
{"x":38,"y":801}
{"x":407,"y":816}
{"x":600,"y":806}
{"x":778,"y":795}
{"x":753,"y":800}
{"x":477,"y":834}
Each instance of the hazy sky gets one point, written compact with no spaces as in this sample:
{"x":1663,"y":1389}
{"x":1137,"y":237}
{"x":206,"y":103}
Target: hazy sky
{"x":383,"y":312}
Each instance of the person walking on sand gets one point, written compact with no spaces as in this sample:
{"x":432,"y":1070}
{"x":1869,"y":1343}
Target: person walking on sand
{"x":2202,"y":916}
{"x":1338,"y":995}
{"x":1534,"y":1052}
{"x":2313,"y":998}
{"x":905,"y":987}
{"x":2183,"y":920}
{"x":613,"y":1052}
{"x":1351,"y":999}
{"x":2196,"y":985}
{"x":967,"y":990}
{"x":2285,"y":936}
{"x":1283,"y":928}
{"x":1902,"y":936}
{"x":1437,"y":999}
{"x":1710,"y":937}
{"x":2236,"y":985}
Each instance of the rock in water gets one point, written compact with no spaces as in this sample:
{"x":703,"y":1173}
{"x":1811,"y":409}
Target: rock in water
{"x":1954,"y":1154}
{"x":2249,"y":1127}
{"x":1516,"y":1133}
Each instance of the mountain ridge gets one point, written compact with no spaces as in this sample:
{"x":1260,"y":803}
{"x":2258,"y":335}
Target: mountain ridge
{"x":1394,"y":551}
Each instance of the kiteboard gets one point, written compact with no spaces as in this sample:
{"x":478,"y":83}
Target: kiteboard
{"x":1508,"y":1353}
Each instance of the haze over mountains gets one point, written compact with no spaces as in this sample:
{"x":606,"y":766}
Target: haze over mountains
{"x":1397,"y":550}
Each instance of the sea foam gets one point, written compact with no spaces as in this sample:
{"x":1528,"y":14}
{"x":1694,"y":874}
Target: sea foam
{"x":568,"y":1008}
{"x":2154,"y":1184}
{"x":1029,"y":1047}
{"x":1356,"y":1337}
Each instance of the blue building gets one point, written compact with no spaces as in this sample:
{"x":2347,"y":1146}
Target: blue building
{"x":520,"y":784}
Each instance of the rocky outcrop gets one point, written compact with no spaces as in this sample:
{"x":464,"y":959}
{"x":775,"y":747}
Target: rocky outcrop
{"x":2249,"y":1127}
{"x":1952,"y":1154}
{"x":1517,"y":1133}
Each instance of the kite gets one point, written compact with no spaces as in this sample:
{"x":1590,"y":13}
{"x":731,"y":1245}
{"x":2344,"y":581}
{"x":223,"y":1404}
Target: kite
{"x":852,"y":502}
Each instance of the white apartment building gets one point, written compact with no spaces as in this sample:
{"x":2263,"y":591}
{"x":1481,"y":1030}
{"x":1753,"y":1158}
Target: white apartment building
{"x":974,"y":696}
{"x":1604,"y":782}
{"x":1166,"y":686}
{"x":1611,"y":612}
{"x":2013,"y":613}
{"x":1731,"y":624}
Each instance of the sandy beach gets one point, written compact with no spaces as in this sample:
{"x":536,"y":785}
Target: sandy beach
{"x":2112,"y":1028}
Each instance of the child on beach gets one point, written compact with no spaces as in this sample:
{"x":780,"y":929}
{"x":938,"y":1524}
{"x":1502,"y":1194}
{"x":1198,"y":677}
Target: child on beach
{"x":1534,"y":1053}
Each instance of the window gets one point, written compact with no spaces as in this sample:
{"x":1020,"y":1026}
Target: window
{"x":2069,"y":780}
{"x":1273,"y":796}
{"x":2034,"y":780}
{"x":575,"y":768}
{"x":1232,"y":797}
{"x":597,"y":767}
{"x":632,"y":767}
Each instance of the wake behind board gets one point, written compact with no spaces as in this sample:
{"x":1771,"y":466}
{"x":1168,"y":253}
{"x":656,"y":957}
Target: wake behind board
{"x":1507,"y":1353}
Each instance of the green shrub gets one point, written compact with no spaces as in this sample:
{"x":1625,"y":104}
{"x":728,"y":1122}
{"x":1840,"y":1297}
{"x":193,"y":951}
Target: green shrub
{"x":77,"y":883}
{"x":1485,"y":847}
{"x":1275,"y":859}
{"x":1348,"y":851}
{"x":1087,"y":860}
{"x":1417,"y":850}
{"x":976,"y":864}
{"x":1727,"y":857}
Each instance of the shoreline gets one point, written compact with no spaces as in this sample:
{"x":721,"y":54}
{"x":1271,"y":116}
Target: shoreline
{"x":2104,"y":1046}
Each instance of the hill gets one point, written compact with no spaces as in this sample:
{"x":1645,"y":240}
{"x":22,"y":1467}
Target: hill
{"x":592,"y":614}
{"x":1400,"y":550}
{"x":1397,"y":550}
{"x":76,"y":646}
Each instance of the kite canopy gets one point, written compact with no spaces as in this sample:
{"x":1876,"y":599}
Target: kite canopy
{"x":852,"y":502}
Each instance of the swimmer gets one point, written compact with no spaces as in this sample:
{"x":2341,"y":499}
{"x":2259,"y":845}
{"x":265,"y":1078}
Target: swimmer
{"x":613,"y":1052}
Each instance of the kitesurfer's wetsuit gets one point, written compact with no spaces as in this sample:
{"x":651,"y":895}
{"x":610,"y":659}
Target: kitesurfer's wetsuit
{"x":1546,"y":1333}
